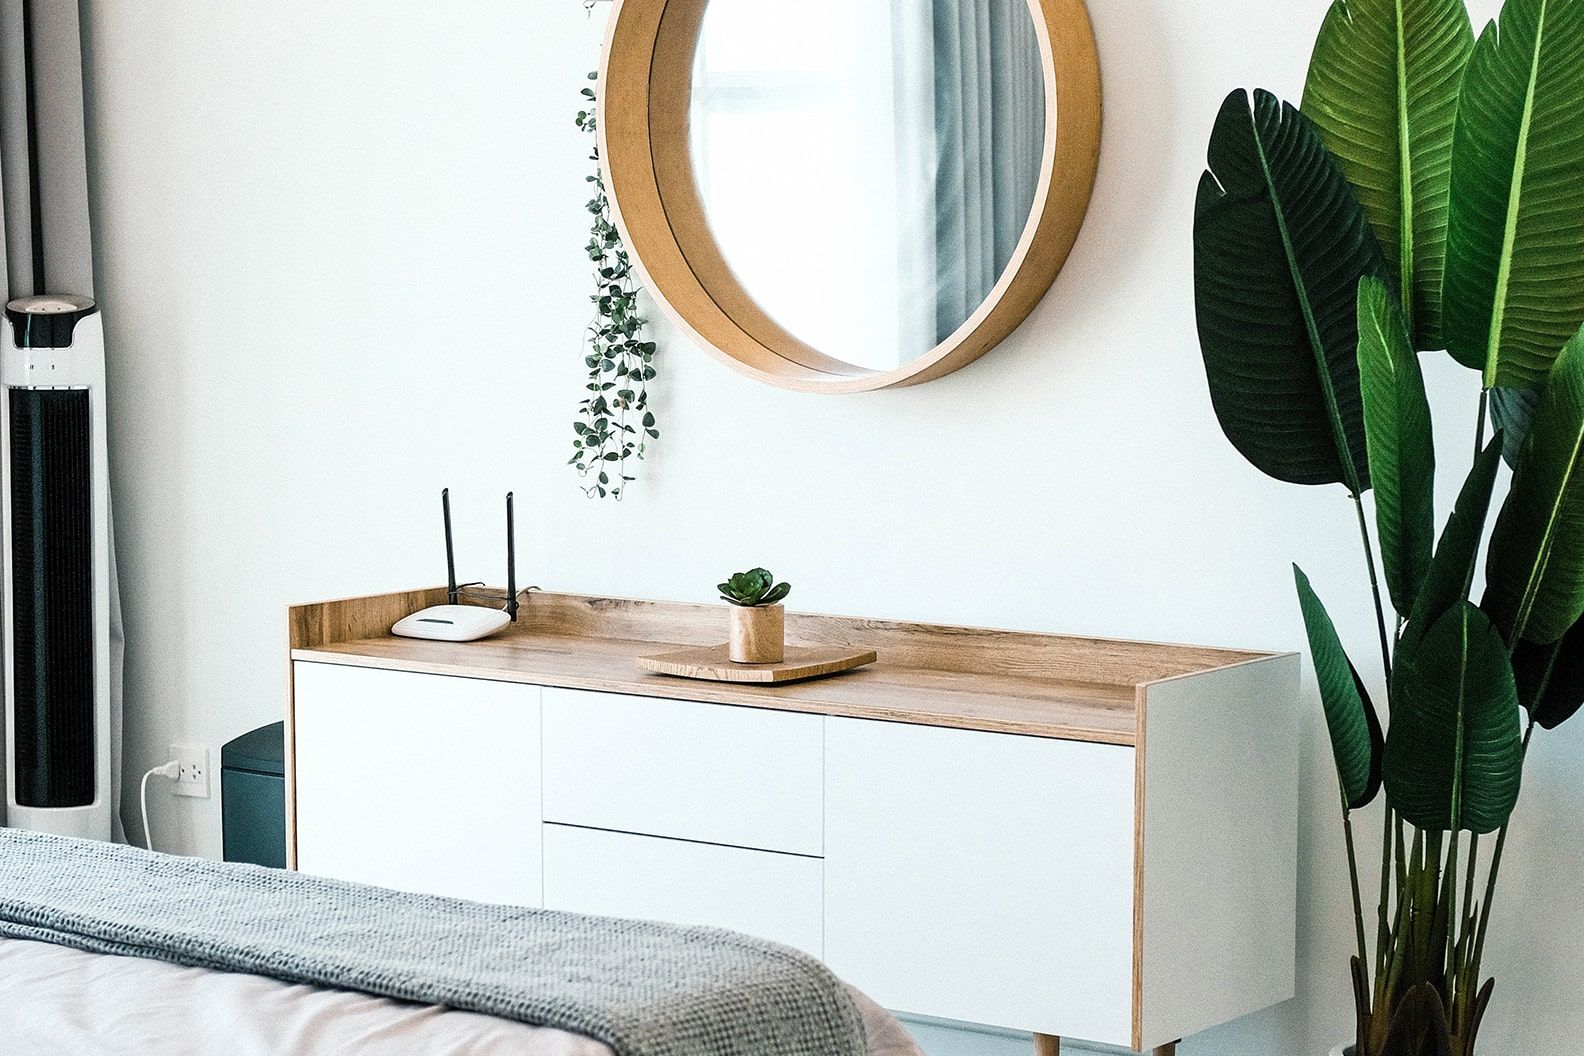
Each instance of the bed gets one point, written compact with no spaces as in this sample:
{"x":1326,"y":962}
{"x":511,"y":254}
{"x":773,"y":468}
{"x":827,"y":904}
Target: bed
{"x":111,"y":950}
{"x":55,"y":1000}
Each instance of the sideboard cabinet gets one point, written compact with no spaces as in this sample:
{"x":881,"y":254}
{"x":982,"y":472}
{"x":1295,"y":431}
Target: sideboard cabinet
{"x":1075,"y":837}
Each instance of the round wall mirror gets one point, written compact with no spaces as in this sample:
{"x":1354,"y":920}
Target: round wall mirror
{"x":841,"y":195}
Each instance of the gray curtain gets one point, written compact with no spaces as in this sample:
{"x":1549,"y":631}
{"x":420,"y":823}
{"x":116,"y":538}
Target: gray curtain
{"x":44,"y":196}
{"x":990,"y":133}
{"x":43,"y":160}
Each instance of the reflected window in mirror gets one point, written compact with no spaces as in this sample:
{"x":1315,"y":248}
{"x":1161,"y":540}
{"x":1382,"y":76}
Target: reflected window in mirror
{"x":867,"y":168}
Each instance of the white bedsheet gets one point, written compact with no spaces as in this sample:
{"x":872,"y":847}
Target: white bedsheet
{"x":56,"y":1001}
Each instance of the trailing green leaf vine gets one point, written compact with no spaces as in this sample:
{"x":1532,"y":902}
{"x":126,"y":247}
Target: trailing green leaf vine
{"x":614,"y":423}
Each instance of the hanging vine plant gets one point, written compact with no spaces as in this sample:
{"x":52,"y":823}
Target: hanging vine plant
{"x":614,"y":423}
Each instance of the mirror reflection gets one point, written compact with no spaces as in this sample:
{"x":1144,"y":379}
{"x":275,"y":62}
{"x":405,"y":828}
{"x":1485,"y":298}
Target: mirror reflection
{"x":867,"y":167}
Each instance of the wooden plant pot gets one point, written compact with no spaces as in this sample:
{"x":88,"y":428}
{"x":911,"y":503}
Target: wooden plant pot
{"x":758,"y":634}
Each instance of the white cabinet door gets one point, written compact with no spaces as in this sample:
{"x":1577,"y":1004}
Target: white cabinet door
{"x":419,"y":782}
{"x":614,"y":874}
{"x":982,"y":877}
{"x":713,"y":773}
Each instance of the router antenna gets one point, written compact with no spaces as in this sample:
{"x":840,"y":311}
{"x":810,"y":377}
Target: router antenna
{"x":445,"y":509}
{"x":511,"y":559}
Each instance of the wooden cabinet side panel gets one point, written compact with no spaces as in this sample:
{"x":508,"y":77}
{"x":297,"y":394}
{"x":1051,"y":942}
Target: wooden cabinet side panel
{"x":982,"y":877}
{"x":419,"y":782}
{"x":1220,"y":847}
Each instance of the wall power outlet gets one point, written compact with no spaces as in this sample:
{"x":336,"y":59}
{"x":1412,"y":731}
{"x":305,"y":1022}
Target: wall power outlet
{"x":193,"y":780}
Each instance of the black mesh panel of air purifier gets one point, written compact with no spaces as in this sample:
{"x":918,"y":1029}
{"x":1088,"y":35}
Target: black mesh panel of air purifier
{"x":52,"y":597}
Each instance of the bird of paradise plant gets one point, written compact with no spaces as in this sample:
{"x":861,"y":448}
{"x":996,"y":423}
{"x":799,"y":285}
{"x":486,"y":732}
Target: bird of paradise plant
{"x":1428,"y":195}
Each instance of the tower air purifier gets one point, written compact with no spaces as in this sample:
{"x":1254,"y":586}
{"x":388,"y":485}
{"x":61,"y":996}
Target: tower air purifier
{"x":55,"y":505}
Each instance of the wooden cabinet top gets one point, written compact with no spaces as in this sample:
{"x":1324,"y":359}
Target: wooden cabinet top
{"x":1043,"y":685}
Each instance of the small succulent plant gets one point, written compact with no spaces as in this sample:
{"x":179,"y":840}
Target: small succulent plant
{"x":753,"y":588}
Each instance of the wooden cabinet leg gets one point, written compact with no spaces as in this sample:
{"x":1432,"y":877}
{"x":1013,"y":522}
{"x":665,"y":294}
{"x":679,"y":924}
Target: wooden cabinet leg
{"x":1050,"y":1045}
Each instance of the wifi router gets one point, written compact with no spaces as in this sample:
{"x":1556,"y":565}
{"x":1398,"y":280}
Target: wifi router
{"x":454,"y":622}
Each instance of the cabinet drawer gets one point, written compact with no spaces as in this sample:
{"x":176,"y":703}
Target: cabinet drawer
{"x":706,"y":772}
{"x":419,"y":782}
{"x":615,"y":874}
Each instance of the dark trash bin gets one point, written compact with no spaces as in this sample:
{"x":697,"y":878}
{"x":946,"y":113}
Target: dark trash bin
{"x":253,"y":796}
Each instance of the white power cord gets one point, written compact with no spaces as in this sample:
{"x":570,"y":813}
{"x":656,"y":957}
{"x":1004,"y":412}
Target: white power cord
{"x":170,"y":771}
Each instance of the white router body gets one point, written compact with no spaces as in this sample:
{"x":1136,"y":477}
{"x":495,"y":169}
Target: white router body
{"x":452,"y":623}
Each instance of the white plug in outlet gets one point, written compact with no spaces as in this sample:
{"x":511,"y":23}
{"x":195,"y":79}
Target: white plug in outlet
{"x":193,"y":779}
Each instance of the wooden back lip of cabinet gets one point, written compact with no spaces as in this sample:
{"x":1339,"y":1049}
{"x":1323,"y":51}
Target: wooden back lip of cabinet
{"x":999,"y":681}
{"x":1213,"y":734}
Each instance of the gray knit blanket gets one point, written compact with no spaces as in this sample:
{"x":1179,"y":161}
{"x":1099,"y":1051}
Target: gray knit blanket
{"x":644,"y":989}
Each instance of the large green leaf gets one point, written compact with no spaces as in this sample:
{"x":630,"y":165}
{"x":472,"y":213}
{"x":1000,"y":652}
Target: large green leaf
{"x":1551,"y":677}
{"x":1454,"y":754}
{"x":1514,"y":287}
{"x":1280,"y":244}
{"x":1401,"y":449}
{"x":1382,"y":89}
{"x":1511,"y":411}
{"x":1534,"y":572}
{"x":1418,"y":1025}
{"x":1452,"y":569}
{"x":1356,"y":740}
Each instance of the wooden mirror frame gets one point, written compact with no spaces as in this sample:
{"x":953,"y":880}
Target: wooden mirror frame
{"x":646,"y":74}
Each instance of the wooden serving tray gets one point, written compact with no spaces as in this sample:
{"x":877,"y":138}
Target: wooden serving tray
{"x":713,"y":664}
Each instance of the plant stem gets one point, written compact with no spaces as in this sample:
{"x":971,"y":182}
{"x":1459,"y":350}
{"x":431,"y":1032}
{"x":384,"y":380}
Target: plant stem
{"x":1495,"y":868}
{"x":1347,"y":820}
{"x":1402,"y":859}
{"x":1468,"y":887}
{"x":1448,"y":900}
{"x":1383,"y":933}
{"x":1479,"y":426}
{"x":1358,"y":901}
{"x":1380,"y":611}
{"x":1501,"y":837}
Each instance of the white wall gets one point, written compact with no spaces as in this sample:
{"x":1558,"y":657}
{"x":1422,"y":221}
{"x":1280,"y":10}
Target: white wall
{"x":340,"y":251}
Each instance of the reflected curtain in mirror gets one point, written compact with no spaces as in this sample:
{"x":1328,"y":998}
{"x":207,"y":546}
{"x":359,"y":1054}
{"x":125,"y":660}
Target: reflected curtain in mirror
{"x":900,"y":143}
{"x":989,"y":131}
